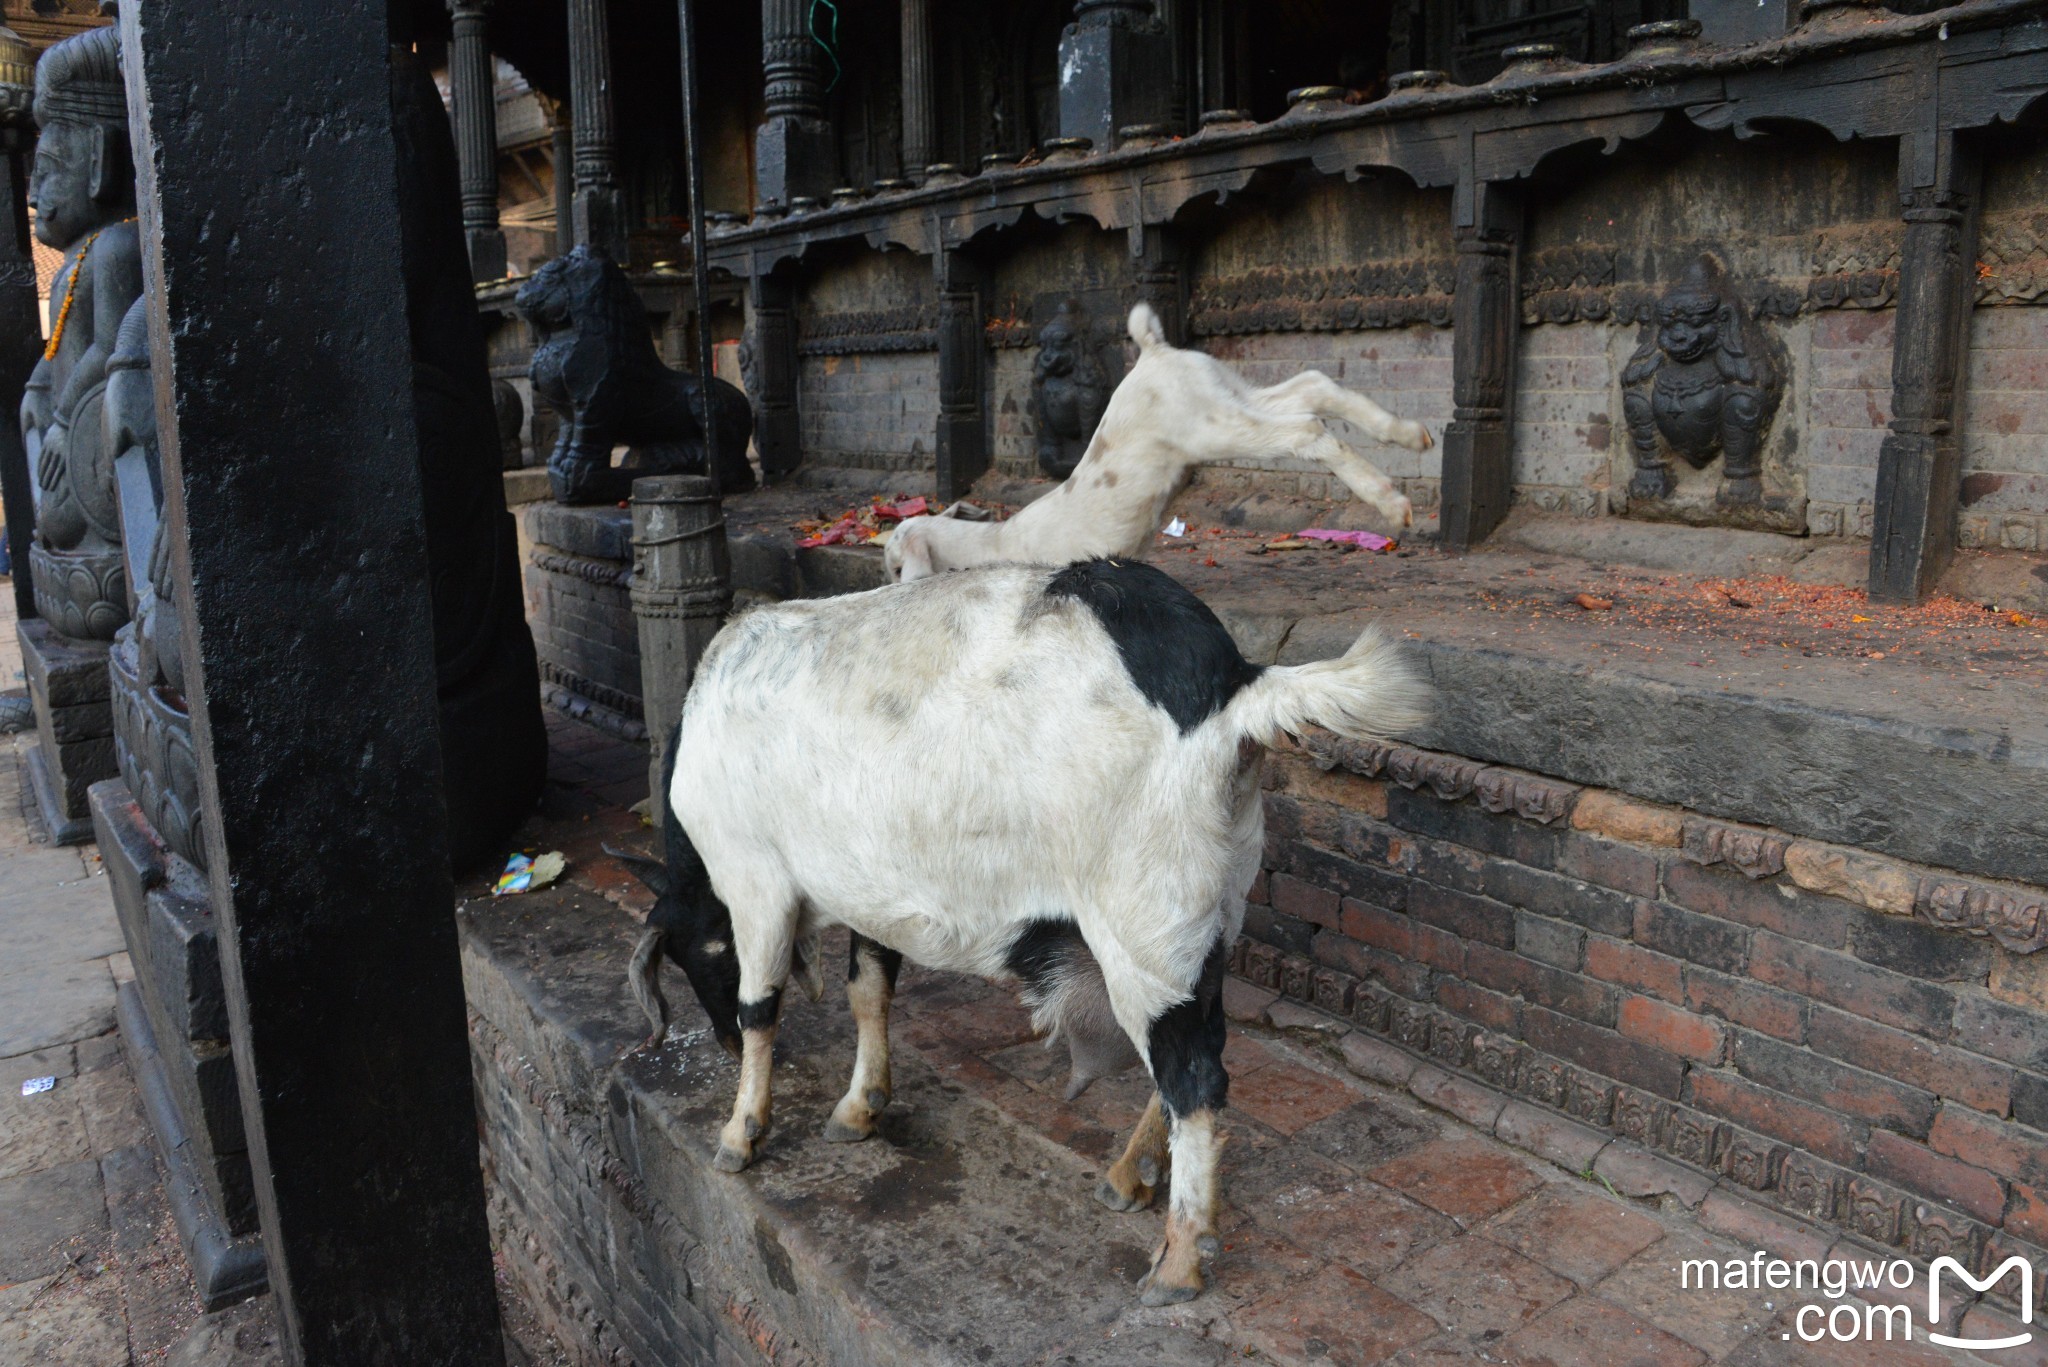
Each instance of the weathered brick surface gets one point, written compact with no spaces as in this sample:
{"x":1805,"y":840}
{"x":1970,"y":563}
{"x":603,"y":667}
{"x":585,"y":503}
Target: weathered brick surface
{"x":878,"y":411}
{"x":1836,"y":1036}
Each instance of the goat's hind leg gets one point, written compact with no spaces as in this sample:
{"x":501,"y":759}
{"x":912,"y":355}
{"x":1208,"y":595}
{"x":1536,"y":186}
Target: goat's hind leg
{"x":765,"y":946}
{"x":1184,"y":1045}
{"x":871,"y":971}
{"x":1132,"y":1179}
{"x":1325,"y":398}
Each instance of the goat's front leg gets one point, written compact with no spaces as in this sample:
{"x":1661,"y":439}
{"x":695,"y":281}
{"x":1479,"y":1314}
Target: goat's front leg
{"x":1185,"y":1047}
{"x":1325,"y":398}
{"x":1131,"y":1180}
{"x":871,"y":971}
{"x":1251,"y":432}
{"x":750,"y":1110}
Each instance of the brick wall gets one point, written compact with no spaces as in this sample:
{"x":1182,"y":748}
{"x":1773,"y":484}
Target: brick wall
{"x":1849,"y":387}
{"x":2005,"y":431}
{"x":1846,"y":1036}
{"x":877,"y":411}
{"x":1566,"y":433}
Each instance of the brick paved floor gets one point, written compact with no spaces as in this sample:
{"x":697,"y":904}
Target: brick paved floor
{"x":1375,"y":1213}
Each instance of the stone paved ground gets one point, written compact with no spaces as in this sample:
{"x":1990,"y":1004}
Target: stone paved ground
{"x":1376,"y":1214}
{"x":90,"y":1268}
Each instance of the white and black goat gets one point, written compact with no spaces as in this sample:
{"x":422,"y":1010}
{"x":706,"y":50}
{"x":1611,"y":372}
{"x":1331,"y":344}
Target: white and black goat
{"x":1176,"y":409}
{"x":1070,"y":801}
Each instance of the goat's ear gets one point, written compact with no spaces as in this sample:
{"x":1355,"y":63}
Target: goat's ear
{"x":912,"y":552}
{"x":652,"y":872}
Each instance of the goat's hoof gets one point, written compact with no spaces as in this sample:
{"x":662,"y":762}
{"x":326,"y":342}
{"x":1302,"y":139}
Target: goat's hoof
{"x":729,"y":1159}
{"x":1118,"y":1199}
{"x":1156,"y":1292}
{"x":838,"y":1131}
{"x":1415,"y":437}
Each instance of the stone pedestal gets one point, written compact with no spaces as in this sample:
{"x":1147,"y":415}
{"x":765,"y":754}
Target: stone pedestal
{"x":174,"y":1025}
{"x":67,"y":682}
{"x":681,"y":594}
{"x":579,"y":574}
{"x":1116,"y":70}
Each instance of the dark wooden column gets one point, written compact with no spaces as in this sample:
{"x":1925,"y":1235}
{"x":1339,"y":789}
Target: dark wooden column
{"x":21,"y":344}
{"x":793,"y":151}
{"x":562,"y":149}
{"x":918,"y":148}
{"x":963,"y":374}
{"x":1919,"y":466}
{"x":599,"y":209}
{"x":475,"y":116}
{"x":1478,"y":441}
{"x":1116,"y":69}
{"x":776,"y":434}
{"x":293,"y":508}
{"x":1159,"y":277}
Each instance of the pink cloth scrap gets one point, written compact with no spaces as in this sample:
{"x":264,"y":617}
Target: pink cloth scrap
{"x":1368,"y":541}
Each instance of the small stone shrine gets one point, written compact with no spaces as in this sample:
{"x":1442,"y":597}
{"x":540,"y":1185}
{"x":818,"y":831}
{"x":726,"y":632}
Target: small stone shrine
{"x":83,"y":190}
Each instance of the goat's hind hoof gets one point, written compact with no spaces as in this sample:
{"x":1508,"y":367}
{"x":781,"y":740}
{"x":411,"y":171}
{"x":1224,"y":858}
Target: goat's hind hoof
{"x":1117,"y":1199}
{"x":1155,"y":1292}
{"x":838,"y":1131}
{"x":729,"y":1159}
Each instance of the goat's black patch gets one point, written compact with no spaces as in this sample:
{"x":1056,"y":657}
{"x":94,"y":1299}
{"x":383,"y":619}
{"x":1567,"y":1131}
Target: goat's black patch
{"x":1176,"y":652}
{"x":692,"y":919}
{"x":761,"y":1014}
{"x":1185,"y":1044}
{"x":885,"y":958}
{"x":1041,"y":949}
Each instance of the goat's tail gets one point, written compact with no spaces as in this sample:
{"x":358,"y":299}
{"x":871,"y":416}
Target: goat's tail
{"x":1146,"y":329}
{"x":1369,"y":691}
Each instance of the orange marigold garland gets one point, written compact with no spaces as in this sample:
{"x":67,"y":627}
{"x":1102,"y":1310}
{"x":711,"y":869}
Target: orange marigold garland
{"x":70,"y":293}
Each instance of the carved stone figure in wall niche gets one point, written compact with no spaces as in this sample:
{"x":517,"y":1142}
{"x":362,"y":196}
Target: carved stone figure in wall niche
{"x":1705,"y":383}
{"x":595,"y":364}
{"x":1070,"y":387}
{"x":83,"y":190}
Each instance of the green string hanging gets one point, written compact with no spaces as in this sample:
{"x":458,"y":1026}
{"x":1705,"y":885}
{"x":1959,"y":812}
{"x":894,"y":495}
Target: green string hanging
{"x":829,"y":46}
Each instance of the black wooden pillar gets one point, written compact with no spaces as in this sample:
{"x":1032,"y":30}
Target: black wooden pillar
{"x":21,"y":344}
{"x":599,"y":209}
{"x":1116,"y":69}
{"x":293,"y":511}
{"x":919,"y":150}
{"x":1478,"y":475}
{"x":793,"y":152}
{"x":963,"y":374}
{"x":1919,"y":466}
{"x":562,"y":150}
{"x":1159,"y":277}
{"x":776,"y":435}
{"x":475,"y":115}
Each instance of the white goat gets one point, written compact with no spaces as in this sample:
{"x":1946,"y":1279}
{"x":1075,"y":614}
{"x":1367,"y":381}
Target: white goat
{"x":1071,"y":802}
{"x":1175,"y":410}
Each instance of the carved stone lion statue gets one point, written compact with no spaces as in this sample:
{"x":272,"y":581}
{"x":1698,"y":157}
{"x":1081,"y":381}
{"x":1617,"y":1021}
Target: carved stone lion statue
{"x":596,"y":366}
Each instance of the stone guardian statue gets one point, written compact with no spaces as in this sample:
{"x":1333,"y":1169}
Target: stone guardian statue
{"x":83,"y":190}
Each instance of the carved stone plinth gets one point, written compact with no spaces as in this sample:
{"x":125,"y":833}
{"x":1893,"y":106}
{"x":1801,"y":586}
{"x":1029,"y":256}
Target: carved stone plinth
{"x":153,"y":749}
{"x":175,"y":1028}
{"x":67,"y":683}
{"x":578,"y":589}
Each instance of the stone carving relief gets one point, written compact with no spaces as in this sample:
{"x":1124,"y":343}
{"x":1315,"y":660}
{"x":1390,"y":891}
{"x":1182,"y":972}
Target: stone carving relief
{"x":83,"y":190}
{"x":595,"y":365}
{"x":1705,"y":382}
{"x":1071,"y":382}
